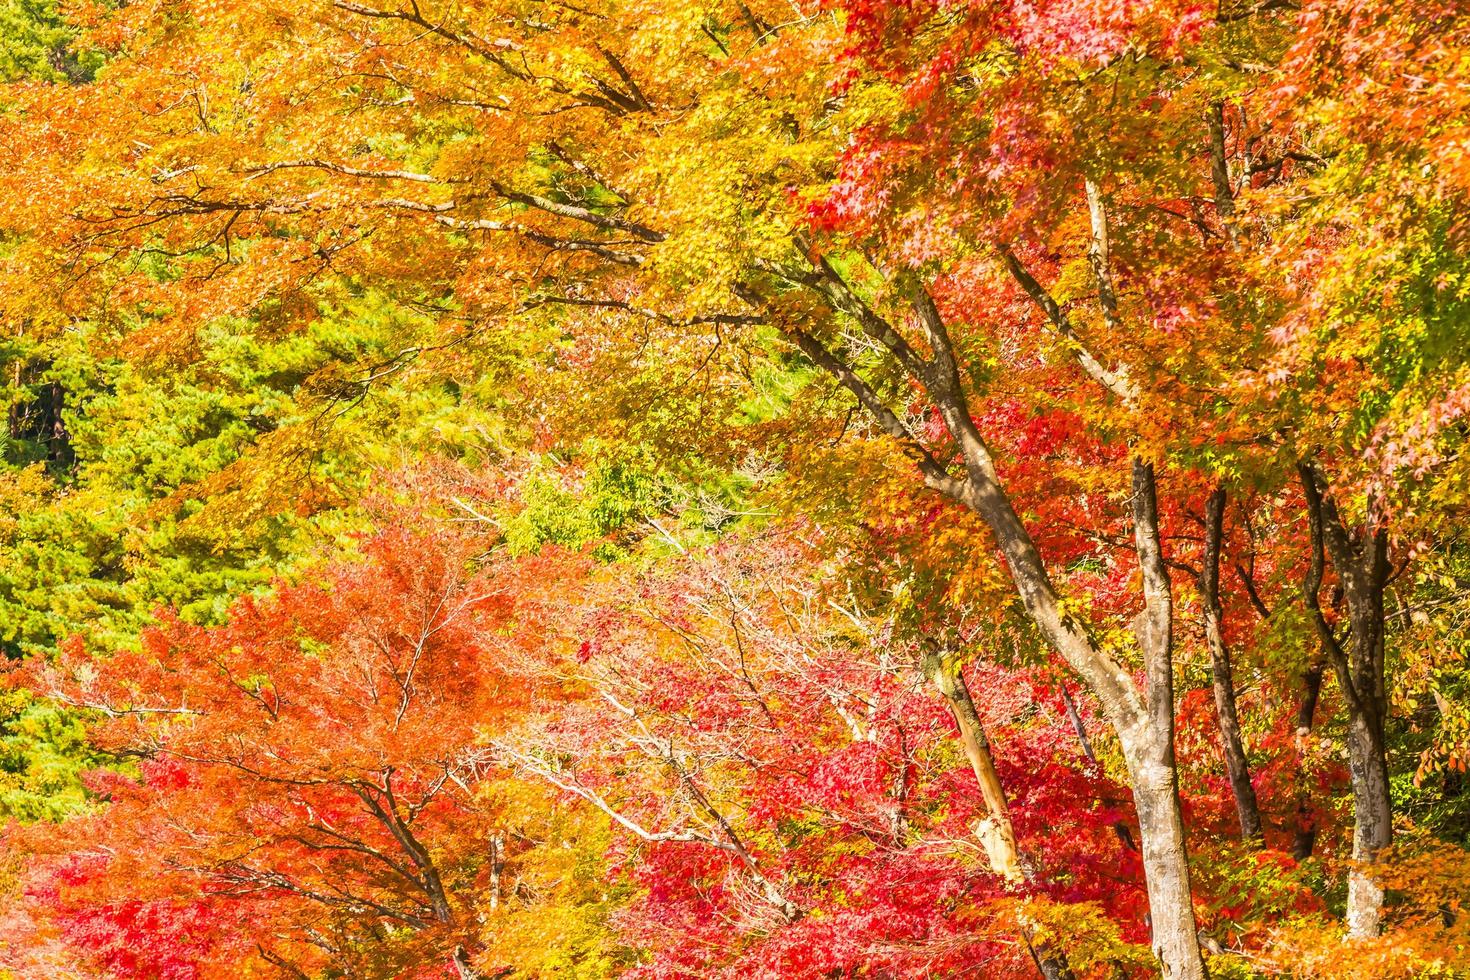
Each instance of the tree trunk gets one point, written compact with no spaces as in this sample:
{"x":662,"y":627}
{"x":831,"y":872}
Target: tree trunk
{"x":996,"y":832}
{"x":497,"y":868}
{"x":1120,"y":829}
{"x":1145,"y":724}
{"x":1171,"y":905}
{"x":1372,"y":822}
{"x":462,"y":967}
{"x":1237,"y":767}
{"x":1305,"y":838}
{"x":1148,"y":747}
{"x":1360,"y":559}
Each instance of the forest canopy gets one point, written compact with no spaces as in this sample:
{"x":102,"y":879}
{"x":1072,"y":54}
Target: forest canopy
{"x":802,"y":489}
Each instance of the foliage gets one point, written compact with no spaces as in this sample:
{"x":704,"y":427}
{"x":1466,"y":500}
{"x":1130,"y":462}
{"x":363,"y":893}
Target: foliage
{"x":531,"y":489}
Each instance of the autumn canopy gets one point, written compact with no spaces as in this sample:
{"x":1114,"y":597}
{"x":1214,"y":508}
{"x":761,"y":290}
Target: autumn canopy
{"x":872,"y":489}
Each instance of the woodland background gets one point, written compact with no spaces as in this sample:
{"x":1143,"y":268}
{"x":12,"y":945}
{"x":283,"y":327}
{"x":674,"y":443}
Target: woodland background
{"x":703,"y":488}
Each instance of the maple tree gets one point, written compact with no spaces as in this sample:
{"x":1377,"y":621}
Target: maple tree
{"x":796,"y":802}
{"x":308,"y":782}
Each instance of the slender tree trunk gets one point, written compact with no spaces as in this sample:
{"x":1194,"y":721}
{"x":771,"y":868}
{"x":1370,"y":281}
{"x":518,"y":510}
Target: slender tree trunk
{"x":1145,"y":724}
{"x":1367,"y":747}
{"x":1220,"y":172}
{"x":1361,"y":562}
{"x":497,"y":868}
{"x":1305,"y":838}
{"x":996,"y":832}
{"x":1237,"y":767}
{"x":1120,"y":829}
{"x":462,"y":967}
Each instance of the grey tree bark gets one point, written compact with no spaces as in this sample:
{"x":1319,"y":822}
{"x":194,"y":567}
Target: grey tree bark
{"x":1360,"y":558}
{"x":1232,"y":745}
{"x":1120,"y":829}
{"x":1304,"y":837}
{"x":1304,"y":840}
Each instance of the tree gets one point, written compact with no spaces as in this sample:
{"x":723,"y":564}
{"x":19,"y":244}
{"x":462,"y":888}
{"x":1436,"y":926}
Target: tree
{"x":310,"y":789}
{"x":1372,"y":443}
{"x":791,"y":800}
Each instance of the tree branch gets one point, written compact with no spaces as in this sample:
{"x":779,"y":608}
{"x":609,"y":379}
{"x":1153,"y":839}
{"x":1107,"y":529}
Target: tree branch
{"x":1115,"y":382}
